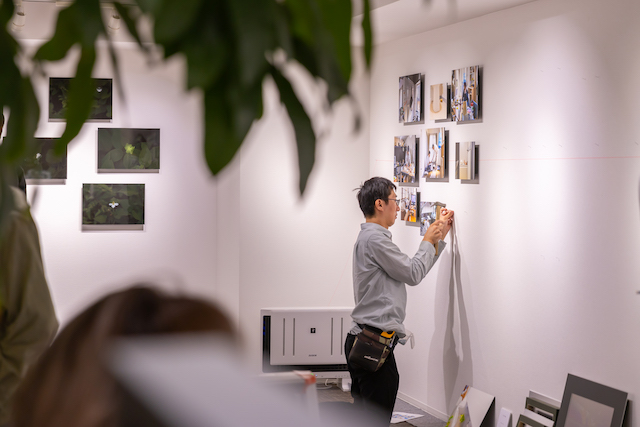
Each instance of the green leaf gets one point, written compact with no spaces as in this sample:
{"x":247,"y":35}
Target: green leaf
{"x":336,"y":17}
{"x":368,"y":34}
{"x":116,"y":154}
{"x":206,"y":57}
{"x":137,"y":213}
{"x":6,"y":13}
{"x":107,"y":163}
{"x":315,"y":48}
{"x":303,"y":19}
{"x":80,"y":97}
{"x":254,"y":28}
{"x":149,"y":6}
{"x":117,"y":139}
{"x":129,"y":161}
{"x":145,"y":155}
{"x":305,"y":137}
{"x":23,"y":121}
{"x":282,"y":29}
{"x":220,"y":141}
{"x":174,"y":18}
{"x":246,"y":105}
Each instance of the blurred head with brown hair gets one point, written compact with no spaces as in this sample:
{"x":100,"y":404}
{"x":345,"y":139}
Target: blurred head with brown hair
{"x":69,"y":386}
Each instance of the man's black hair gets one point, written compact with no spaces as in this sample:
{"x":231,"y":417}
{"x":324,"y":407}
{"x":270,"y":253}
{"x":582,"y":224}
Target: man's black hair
{"x":372,"y":190}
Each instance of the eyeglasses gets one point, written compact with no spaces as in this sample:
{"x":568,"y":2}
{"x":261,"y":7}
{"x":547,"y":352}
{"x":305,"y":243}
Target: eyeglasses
{"x":395,"y":200}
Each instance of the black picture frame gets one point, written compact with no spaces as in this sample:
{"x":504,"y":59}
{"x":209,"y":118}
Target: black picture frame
{"x":128,"y":150}
{"x":406,"y":158}
{"x":101,"y":110}
{"x":466,"y":95}
{"x":43,"y":165}
{"x":113,"y":206}
{"x":410,"y":99}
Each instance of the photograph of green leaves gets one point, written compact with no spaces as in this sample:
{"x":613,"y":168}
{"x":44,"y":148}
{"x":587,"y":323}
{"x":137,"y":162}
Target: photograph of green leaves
{"x":44,"y":165}
{"x":133,"y":150}
{"x":113,"y":204}
{"x":102,"y":99}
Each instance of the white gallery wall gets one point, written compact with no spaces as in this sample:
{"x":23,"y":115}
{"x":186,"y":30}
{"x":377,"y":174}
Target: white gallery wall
{"x":543,"y":280}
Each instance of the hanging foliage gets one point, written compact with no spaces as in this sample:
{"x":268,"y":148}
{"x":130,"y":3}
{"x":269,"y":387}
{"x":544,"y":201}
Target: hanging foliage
{"x":229,"y":46}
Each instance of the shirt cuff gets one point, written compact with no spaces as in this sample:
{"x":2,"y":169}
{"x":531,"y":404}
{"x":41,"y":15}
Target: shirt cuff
{"x":428,"y":247}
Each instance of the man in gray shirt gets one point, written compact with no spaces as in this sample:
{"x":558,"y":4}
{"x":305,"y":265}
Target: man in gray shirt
{"x":380,"y":275}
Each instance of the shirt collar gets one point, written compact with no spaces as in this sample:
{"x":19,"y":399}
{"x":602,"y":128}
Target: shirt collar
{"x":375,"y":227}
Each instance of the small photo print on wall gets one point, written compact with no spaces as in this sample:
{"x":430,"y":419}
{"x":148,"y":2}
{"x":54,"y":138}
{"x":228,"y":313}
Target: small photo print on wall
{"x":466,"y":161}
{"x":427,"y":216}
{"x":128,"y":150}
{"x":410,"y":99}
{"x":409,"y":205}
{"x":465,"y":94}
{"x":113,"y":206}
{"x":405,"y":158}
{"x":433,"y":154}
{"x":45,"y":167}
{"x":439,"y":102}
{"x":59,"y":94}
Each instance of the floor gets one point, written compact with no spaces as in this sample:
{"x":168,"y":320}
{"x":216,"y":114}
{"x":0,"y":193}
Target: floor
{"x":331,"y":394}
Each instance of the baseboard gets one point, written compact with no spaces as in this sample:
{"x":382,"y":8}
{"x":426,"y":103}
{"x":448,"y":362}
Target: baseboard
{"x":426,"y":408}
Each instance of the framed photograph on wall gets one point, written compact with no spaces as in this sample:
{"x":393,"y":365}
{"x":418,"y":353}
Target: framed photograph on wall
{"x":113,"y":206}
{"x":433,"y":155}
{"x":128,"y":150}
{"x":427,"y":216}
{"x":409,"y":203}
{"x":405,"y":160}
{"x":465,"y":94}
{"x":439,"y":102}
{"x":410,"y":99}
{"x":101,"y":109}
{"x":45,"y":167}
{"x":466,"y":161}
{"x":587,"y":403}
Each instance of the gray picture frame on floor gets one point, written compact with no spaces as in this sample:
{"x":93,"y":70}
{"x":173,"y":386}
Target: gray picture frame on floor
{"x":585,"y":398}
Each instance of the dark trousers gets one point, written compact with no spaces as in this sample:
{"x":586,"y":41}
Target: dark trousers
{"x":374,"y":392}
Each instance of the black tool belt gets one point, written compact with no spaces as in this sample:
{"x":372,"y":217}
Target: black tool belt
{"x":372,"y":347}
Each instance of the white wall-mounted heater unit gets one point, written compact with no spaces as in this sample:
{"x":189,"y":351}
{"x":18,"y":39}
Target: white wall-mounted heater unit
{"x":305,"y":339}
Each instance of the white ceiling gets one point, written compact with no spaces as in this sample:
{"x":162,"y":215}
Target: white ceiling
{"x":396,"y":19}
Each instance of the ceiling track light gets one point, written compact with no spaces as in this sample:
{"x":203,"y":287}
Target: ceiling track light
{"x":19,"y":19}
{"x":114,"y":21}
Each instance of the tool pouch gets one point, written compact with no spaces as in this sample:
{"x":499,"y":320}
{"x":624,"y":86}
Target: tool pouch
{"x":370,"y":349}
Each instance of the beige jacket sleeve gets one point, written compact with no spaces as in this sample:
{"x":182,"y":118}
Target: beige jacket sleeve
{"x":27,"y":318}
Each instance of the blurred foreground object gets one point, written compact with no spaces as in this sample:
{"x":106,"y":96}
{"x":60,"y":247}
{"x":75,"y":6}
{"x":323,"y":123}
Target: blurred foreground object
{"x":27,"y":318}
{"x":70,"y":386}
{"x":184,"y":381}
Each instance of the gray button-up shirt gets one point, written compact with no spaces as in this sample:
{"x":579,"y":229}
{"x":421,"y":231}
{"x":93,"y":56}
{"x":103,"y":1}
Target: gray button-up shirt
{"x":380,"y":272}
